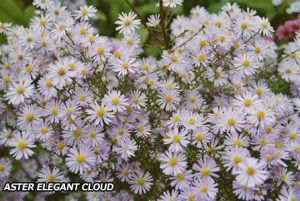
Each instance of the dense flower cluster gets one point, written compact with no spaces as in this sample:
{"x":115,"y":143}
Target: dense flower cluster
{"x":197,"y":123}
{"x":288,"y":29}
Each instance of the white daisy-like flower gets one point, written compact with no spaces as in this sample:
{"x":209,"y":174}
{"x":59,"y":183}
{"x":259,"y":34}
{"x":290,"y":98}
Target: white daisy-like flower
{"x":99,"y":114}
{"x":153,"y":20}
{"x":85,"y":13}
{"x":252,"y":172}
{"x":80,"y":159}
{"x":19,"y":91}
{"x":115,"y":101}
{"x":47,"y":175}
{"x":140,"y":182}
{"x":22,"y":144}
{"x":5,"y":167}
{"x":176,"y":139}
{"x":172,"y":3}
{"x":126,"y":148}
{"x":127,"y":23}
{"x":172,"y":163}
{"x":125,"y":66}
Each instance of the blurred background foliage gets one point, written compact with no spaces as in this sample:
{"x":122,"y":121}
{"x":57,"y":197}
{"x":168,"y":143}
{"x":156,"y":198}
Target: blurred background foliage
{"x":20,"y":11}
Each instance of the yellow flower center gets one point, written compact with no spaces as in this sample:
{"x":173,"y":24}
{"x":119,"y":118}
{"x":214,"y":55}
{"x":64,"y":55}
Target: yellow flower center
{"x":237,"y":159}
{"x":82,"y":97}
{"x":100,"y":50}
{"x":176,"y":138}
{"x":246,"y":63}
{"x":260,"y":115}
{"x":231,"y":122}
{"x":29,"y":117}
{"x":127,"y":22}
{"x":6,"y":80}
{"x":100,"y":112}
{"x":203,"y":189}
{"x":48,"y":84}
{"x":28,"y":69}
{"x":293,"y":135}
{"x":115,"y":101}
{"x":293,"y":55}
{"x":199,"y":137}
{"x":168,"y":98}
{"x":248,"y":102}
{"x":262,"y":142}
{"x":43,"y":130}
{"x":269,"y":158}
{"x":201,"y":57}
{"x":80,"y":158}
{"x":244,"y":25}
{"x":82,"y":31}
{"x":53,"y":111}
{"x":237,"y":143}
{"x":217,"y":74}
{"x":140,"y":181}
{"x":172,"y":161}
{"x":297,"y":148}
{"x":269,"y":130}
{"x":191,"y":121}
{"x":84,"y":11}
{"x":92,"y":134}
{"x":180,"y":176}
{"x":257,"y":50}
{"x":259,"y":92}
{"x":20,"y":90}
{"x":202,"y":43}
{"x":205,"y":171}
{"x":60,"y":146}
{"x":76,"y":133}
{"x":22,"y":145}
{"x":174,"y":58}
{"x":42,"y":22}
{"x":250,"y":171}
{"x":50,"y":178}
{"x":61,"y":72}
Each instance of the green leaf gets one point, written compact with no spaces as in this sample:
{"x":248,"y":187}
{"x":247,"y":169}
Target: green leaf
{"x":148,"y":8}
{"x":12,"y":10}
{"x":5,"y":18}
{"x":143,"y":32}
{"x":29,"y":13}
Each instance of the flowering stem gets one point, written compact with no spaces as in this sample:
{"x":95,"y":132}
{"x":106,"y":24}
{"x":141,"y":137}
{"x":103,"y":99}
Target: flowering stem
{"x":188,"y":40}
{"x":162,"y":24}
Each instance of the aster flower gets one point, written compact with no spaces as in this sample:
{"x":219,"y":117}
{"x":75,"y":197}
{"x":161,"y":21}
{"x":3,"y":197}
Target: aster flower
{"x":206,"y":167}
{"x":85,"y":13}
{"x":153,"y":20}
{"x":231,"y":121}
{"x":5,"y":168}
{"x":205,"y":188}
{"x":172,"y":163}
{"x":176,"y":139}
{"x":169,"y":196}
{"x":127,"y":23}
{"x":252,"y":172}
{"x":48,"y":175}
{"x":19,"y":91}
{"x":99,"y":114}
{"x":172,"y":3}
{"x":80,"y":159}
{"x":140,"y":182}
{"x":126,"y":148}
{"x":21,"y":144}
{"x":115,"y":101}
{"x":125,"y":66}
